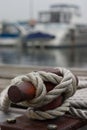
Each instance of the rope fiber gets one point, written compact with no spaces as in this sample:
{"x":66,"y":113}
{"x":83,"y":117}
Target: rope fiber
{"x":67,"y":84}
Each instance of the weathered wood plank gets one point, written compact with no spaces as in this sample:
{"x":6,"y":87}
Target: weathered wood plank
{"x":10,"y":71}
{"x":7,"y":72}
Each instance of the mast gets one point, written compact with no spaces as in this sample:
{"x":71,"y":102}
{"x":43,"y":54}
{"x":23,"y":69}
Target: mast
{"x":31,"y":9}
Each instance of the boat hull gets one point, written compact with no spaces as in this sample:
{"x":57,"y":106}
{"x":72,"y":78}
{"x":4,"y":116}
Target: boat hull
{"x":8,"y":41}
{"x":63,"y":38}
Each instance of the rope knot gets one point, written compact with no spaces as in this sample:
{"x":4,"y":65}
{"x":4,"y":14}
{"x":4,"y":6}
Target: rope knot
{"x":65,"y":84}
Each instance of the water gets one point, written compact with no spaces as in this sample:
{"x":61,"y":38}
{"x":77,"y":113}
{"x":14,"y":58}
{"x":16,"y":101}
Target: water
{"x":68,"y":57}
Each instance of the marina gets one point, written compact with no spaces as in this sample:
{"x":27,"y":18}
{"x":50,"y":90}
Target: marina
{"x":43,"y":65}
{"x":60,"y":26}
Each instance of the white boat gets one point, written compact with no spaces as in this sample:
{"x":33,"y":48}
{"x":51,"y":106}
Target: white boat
{"x":12,"y":34}
{"x":60,"y":26}
{"x":9,"y":34}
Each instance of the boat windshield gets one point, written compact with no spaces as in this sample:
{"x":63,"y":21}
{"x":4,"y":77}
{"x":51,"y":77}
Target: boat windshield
{"x":9,"y":28}
{"x":55,"y":17}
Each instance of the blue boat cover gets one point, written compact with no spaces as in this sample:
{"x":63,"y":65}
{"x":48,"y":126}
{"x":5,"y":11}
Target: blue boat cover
{"x":39,"y":35}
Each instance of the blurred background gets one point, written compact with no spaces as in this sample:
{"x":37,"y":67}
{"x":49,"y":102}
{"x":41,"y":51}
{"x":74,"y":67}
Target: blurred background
{"x":43,"y":33}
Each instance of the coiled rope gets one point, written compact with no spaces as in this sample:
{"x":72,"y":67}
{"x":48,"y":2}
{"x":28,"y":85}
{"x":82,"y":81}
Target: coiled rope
{"x":65,"y":84}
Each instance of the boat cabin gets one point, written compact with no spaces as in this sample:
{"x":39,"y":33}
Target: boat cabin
{"x":62,"y":13}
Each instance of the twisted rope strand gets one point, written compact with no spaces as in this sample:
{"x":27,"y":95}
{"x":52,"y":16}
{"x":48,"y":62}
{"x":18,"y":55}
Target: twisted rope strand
{"x":4,"y":100}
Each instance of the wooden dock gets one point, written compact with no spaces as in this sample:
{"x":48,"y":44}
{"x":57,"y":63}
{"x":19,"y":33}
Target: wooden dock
{"x":7,"y":72}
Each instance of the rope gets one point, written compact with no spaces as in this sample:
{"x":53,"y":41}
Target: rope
{"x":4,"y":100}
{"x":65,"y":84}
